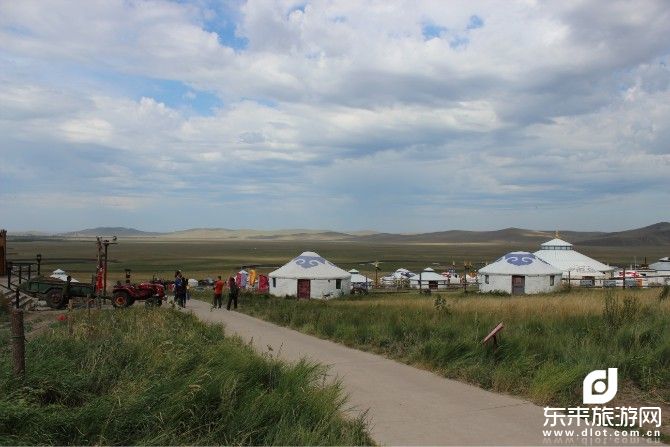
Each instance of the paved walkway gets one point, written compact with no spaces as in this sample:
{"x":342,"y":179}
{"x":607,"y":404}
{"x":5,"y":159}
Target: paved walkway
{"x":407,"y":406}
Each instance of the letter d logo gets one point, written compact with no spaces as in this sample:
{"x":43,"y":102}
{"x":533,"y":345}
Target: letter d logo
{"x":600,"y":386}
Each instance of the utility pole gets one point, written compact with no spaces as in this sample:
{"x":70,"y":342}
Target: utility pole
{"x":104,"y":243}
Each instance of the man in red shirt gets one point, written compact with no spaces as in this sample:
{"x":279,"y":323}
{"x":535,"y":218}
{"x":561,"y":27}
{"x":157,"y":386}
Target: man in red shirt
{"x":218,"y":293}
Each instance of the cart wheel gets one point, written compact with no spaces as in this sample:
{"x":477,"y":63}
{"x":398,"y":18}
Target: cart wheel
{"x":55,"y":298}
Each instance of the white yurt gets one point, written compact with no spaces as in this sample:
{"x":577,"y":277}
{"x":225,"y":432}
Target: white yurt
{"x":584,"y":275}
{"x":562,"y":255}
{"x":396,"y":278}
{"x":659,"y":272}
{"x":428,"y":279}
{"x":519,"y":273}
{"x":62,"y":275}
{"x":310,"y":276}
{"x":661,"y":266}
{"x":358,"y":280}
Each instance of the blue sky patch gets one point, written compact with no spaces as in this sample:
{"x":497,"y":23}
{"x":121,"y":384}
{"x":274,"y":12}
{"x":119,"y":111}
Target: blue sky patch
{"x":432,"y":31}
{"x":475,"y":22}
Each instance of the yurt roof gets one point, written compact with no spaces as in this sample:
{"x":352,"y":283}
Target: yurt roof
{"x":358,"y":278}
{"x":353,"y":271}
{"x":520,"y":263}
{"x":58,"y":272}
{"x":428,"y":274}
{"x":556,"y":243}
{"x":310,"y":265}
{"x":661,"y":264}
{"x":567,"y":259}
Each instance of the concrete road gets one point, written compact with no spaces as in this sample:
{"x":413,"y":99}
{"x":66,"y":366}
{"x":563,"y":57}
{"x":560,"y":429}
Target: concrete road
{"x":407,"y":406}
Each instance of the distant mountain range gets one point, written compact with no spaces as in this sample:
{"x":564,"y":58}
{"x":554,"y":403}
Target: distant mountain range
{"x":657,"y":234}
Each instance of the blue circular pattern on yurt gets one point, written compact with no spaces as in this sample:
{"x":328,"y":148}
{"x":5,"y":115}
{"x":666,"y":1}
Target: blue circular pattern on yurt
{"x":520,"y":258}
{"x":308,"y":262}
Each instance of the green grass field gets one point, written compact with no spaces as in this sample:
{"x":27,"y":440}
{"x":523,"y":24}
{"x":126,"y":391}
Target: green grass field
{"x":160,"y":377}
{"x":200,"y":259}
{"x":549,"y":343}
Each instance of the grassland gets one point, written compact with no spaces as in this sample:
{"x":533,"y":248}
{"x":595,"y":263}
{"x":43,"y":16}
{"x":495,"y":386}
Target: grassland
{"x":548,"y":344}
{"x":160,"y":377}
{"x":202,"y":258}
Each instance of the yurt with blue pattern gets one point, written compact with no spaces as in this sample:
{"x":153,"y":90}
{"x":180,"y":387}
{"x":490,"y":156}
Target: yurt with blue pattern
{"x":310,"y":275}
{"x":519,"y":273}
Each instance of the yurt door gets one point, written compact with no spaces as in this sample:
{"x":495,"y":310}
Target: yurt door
{"x":303,"y":288}
{"x":518,"y":285}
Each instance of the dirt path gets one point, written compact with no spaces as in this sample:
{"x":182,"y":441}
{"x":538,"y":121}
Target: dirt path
{"x":407,"y":406}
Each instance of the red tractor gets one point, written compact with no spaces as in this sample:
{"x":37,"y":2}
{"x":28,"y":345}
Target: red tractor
{"x":124,"y":295}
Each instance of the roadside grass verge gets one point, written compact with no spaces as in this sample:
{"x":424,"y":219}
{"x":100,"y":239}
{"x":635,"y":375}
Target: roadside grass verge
{"x":160,"y":377}
{"x":549,"y":343}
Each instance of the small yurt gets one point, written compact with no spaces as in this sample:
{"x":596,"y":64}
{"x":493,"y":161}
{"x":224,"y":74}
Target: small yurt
{"x":62,"y":275}
{"x":358,"y":280}
{"x":396,"y":278}
{"x":428,"y":279}
{"x":584,"y":275}
{"x":660,"y":272}
{"x":519,"y":273}
{"x":310,"y":276}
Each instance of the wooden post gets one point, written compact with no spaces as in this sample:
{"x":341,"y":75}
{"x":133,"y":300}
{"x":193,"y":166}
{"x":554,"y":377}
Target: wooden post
{"x":17,"y":299}
{"x":3,"y":253}
{"x":18,"y":344}
{"x":70,"y":318}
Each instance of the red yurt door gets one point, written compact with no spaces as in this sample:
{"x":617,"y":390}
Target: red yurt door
{"x":303,"y":288}
{"x":518,"y":285}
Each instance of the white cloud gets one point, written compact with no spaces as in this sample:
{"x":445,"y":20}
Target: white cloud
{"x":549,"y":102}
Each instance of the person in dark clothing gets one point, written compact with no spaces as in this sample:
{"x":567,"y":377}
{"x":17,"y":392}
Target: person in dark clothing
{"x":233,"y":293}
{"x":179,"y":289}
{"x":66,"y":291}
{"x":218,"y":293}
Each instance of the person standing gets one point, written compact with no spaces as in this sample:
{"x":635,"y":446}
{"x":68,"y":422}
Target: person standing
{"x":179,"y":289}
{"x":218,"y":293}
{"x":233,"y":293}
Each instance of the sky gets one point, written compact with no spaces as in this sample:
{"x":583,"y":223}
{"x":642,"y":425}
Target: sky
{"x":343,"y":115}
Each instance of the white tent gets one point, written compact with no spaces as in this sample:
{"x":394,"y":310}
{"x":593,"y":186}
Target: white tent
{"x":428,"y":279}
{"x":584,"y":275}
{"x":562,"y":255}
{"x":660,"y":273}
{"x":360,"y":280}
{"x":310,"y":276}
{"x":661,"y":266}
{"x":519,"y":273}
{"x":192,"y":282}
{"x":62,"y":275}
{"x":397,"y":277}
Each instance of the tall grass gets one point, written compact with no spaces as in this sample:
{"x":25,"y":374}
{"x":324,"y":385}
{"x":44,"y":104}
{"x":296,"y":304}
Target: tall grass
{"x":549,"y":342}
{"x":160,"y":377}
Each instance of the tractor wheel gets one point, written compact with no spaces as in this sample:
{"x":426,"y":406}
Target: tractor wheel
{"x":55,"y":299}
{"x":121,"y":299}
